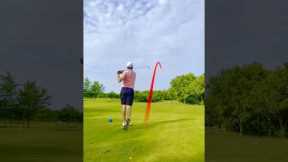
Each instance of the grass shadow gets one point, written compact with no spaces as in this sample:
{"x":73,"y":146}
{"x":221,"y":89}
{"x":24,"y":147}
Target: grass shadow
{"x":158,"y":123}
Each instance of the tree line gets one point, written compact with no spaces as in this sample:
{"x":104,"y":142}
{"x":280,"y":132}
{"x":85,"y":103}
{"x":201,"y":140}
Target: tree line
{"x":26,"y":102}
{"x":249,"y":99}
{"x":187,"y":88}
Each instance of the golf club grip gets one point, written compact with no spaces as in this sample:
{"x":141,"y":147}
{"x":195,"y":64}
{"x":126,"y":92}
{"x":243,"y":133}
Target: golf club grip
{"x":120,"y":72}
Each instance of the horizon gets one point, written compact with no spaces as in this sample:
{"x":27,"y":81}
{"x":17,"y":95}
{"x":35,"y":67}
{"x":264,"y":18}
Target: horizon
{"x":137,"y":89}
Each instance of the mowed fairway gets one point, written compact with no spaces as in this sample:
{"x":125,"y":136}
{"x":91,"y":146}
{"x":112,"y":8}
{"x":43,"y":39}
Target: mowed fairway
{"x":42,"y":142}
{"x":224,"y":146}
{"x":175,"y":133}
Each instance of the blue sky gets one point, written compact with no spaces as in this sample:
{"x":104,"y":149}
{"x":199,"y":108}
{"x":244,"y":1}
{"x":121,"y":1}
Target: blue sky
{"x":144,"y":32}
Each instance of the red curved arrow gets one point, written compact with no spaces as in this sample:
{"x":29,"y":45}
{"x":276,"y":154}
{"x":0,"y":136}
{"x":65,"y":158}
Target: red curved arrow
{"x":149,"y":98}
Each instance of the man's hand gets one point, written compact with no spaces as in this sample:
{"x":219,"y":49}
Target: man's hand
{"x":120,"y":72}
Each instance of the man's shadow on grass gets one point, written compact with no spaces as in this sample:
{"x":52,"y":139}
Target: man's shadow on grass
{"x":158,"y":123}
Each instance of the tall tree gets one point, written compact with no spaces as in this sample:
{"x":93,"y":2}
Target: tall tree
{"x":32,"y":98}
{"x":96,"y":89}
{"x":87,"y":87}
{"x":92,"y":89}
{"x":7,"y":96}
{"x":7,"y":88}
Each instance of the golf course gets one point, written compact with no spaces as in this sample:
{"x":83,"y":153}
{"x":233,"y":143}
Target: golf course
{"x":43,"y":141}
{"x":175,"y":132}
{"x":224,"y":146}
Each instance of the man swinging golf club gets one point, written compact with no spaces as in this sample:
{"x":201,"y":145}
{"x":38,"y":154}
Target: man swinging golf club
{"x":127,"y":77}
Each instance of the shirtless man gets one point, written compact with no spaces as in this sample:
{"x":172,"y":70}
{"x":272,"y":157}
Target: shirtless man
{"x":127,"y":78}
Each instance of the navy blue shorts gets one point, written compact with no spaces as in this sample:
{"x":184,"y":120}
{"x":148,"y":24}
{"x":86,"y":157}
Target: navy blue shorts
{"x":127,"y":96}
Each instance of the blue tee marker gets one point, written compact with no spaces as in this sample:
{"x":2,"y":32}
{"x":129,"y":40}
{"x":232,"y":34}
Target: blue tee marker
{"x":110,"y":119}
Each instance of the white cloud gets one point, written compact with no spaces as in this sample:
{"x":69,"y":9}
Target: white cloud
{"x":162,"y":1}
{"x":143,"y":31}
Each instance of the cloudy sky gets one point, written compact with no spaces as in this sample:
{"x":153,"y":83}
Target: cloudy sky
{"x":143,"y":31}
{"x":42,"y":41}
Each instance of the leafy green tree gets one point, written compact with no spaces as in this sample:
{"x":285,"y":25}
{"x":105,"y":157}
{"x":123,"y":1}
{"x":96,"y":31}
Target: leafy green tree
{"x":69,"y":114}
{"x":8,"y":102}
{"x":96,"y":89}
{"x":195,"y":91}
{"x":46,"y":114}
{"x":87,"y":87}
{"x":274,"y":100}
{"x":249,"y":100}
{"x":92,"y":89}
{"x":179,"y":86}
{"x":141,"y":96}
{"x":7,"y":90}
{"x":188,"y":88}
{"x":113,"y":95}
{"x":228,"y":95}
{"x":32,"y":98}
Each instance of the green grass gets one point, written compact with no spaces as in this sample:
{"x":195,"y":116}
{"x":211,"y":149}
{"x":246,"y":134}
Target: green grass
{"x":175,"y":133}
{"x":232,"y":147}
{"x":42,"y":142}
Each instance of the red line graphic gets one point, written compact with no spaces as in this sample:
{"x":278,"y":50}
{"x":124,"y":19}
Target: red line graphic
{"x":149,"y":98}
